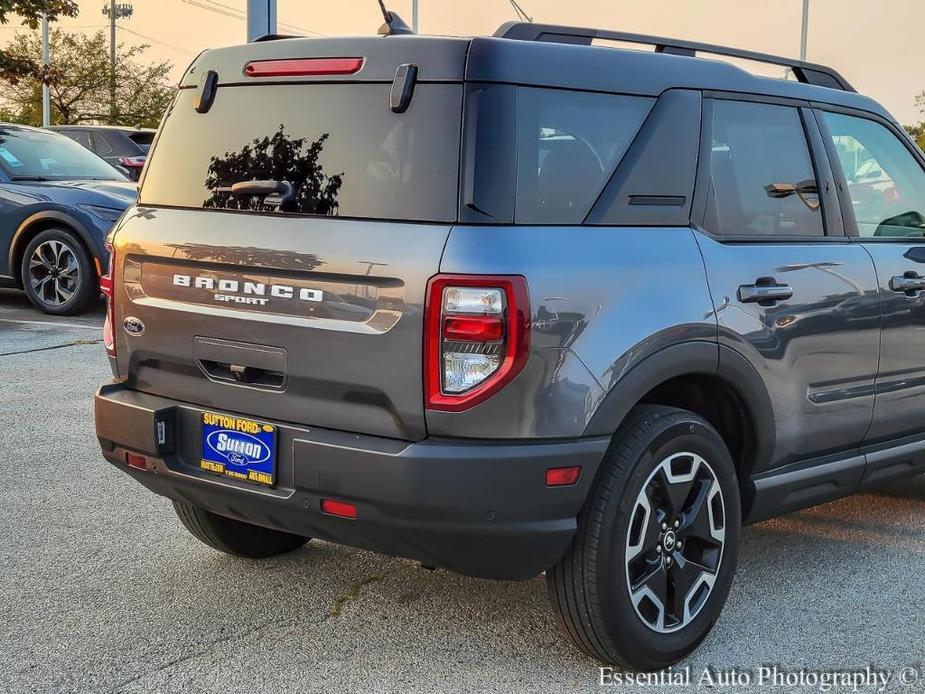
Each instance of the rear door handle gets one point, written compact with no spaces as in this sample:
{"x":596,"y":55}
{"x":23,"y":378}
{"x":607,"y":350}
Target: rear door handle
{"x":910,"y":282}
{"x":764,"y":291}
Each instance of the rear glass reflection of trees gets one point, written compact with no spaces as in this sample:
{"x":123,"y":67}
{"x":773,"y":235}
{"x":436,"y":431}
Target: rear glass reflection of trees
{"x":277,"y":158}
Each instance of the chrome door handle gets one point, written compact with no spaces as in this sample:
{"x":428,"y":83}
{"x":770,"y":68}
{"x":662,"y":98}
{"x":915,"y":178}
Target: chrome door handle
{"x":762,"y":292}
{"x":910,"y":282}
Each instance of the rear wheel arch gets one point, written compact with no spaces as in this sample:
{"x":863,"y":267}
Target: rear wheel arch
{"x":42,"y":221}
{"x":711,"y":380}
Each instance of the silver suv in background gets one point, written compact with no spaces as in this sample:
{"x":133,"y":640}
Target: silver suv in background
{"x":124,"y":148}
{"x":519,"y":304}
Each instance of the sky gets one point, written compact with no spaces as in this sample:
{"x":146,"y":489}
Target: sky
{"x":878,"y":45}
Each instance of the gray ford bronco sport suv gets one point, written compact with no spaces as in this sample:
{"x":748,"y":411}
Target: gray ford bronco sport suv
{"x":519,"y":304}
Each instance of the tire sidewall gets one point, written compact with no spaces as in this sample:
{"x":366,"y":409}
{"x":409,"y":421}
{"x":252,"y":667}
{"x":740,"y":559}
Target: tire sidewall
{"x":85,"y":292}
{"x":647,"y":646}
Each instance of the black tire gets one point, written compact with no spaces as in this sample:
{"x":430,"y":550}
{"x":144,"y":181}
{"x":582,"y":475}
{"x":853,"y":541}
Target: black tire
{"x":68,"y":273}
{"x":590,"y":587}
{"x":236,"y":537}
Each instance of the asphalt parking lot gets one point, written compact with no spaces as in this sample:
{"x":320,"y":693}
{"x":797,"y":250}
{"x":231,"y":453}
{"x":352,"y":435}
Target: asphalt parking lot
{"x":103,"y":591}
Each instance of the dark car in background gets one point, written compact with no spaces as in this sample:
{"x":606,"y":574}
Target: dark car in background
{"x":121,"y":147}
{"x":57,"y":203}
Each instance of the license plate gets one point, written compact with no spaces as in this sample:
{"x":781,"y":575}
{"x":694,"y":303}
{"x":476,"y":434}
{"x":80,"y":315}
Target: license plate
{"x":238,"y":448}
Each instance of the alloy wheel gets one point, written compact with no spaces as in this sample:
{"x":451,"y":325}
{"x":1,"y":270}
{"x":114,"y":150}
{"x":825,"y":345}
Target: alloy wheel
{"x":54,"y":273}
{"x":674,"y":545}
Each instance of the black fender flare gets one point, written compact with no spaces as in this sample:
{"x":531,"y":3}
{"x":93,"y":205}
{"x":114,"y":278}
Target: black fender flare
{"x":16,"y":243}
{"x":689,"y":359}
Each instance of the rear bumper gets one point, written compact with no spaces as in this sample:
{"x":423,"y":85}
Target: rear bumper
{"x":479,"y":508}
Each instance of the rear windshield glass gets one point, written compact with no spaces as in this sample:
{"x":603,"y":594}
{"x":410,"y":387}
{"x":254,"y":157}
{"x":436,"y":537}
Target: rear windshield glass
{"x":339,"y":147}
{"x":142,"y":139}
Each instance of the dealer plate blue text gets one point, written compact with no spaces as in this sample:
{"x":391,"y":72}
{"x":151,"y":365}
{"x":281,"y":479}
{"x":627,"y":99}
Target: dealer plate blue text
{"x":238,"y":448}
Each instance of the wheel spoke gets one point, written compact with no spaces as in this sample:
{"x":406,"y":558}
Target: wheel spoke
{"x":62,"y":294}
{"x":38,"y":261}
{"x":695,"y":520}
{"x":70,"y":268}
{"x":652,"y":588}
{"x":684,"y":575}
{"x":645,"y":527}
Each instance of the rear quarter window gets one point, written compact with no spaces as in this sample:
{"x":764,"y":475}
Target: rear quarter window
{"x":568,"y":145}
{"x":543,"y":156}
{"x":339,"y":145}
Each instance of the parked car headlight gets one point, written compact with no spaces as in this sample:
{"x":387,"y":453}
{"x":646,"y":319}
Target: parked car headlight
{"x":107,"y":214}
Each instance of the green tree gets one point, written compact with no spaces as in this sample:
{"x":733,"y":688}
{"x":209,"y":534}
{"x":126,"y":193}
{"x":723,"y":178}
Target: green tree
{"x":918,"y":131}
{"x":79,"y":82}
{"x":30,"y":12}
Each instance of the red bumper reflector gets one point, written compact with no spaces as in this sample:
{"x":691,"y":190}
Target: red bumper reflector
{"x":338,"y":508}
{"x":139,"y":462}
{"x":300,"y":67}
{"x":562,"y":476}
{"x":473,"y":328}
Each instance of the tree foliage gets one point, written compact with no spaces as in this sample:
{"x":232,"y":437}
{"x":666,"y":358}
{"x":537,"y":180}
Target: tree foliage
{"x":918,"y":131}
{"x":79,"y":82}
{"x":30,"y":12}
{"x":278,"y":157}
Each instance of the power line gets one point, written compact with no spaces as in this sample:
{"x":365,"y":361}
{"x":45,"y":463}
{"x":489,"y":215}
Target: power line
{"x":158,"y":41}
{"x":57,"y":28}
{"x":234,"y":13}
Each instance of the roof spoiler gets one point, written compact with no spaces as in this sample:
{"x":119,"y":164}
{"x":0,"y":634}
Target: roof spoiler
{"x":808,"y":73}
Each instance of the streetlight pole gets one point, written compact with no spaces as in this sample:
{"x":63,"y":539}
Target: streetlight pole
{"x":414,"y":16}
{"x":261,"y":18}
{"x":46,"y":64}
{"x":112,"y":62}
{"x":804,"y":33}
{"x":115,"y":10}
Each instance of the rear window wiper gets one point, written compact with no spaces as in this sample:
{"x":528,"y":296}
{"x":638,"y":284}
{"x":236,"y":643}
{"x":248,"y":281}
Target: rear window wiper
{"x":275,"y":193}
{"x":29,"y":178}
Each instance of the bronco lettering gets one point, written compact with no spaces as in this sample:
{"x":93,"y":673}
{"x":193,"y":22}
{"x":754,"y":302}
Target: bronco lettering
{"x":232,"y":288}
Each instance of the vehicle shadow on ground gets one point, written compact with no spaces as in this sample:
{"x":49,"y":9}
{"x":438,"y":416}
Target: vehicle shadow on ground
{"x":791,"y":569}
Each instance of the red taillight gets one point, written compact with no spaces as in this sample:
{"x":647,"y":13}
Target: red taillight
{"x":302,"y":67}
{"x":139,"y":462}
{"x":106,"y":287}
{"x":132,"y":162}
{"x":477,"y":338}
{"x":340,"y":509}
{"x":562,"y":476}
{"x":474,"y":328}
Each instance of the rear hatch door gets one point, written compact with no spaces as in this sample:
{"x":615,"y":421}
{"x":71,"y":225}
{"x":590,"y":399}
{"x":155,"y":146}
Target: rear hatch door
{"x":305,"y":304}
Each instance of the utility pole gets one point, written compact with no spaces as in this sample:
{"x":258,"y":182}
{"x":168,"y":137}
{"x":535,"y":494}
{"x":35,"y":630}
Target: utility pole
{"x":46,"y":64}
{"x":114,"y":10}
{"x":261,"y":18}
{"x":804,"y":34}
{"x":414,"y":16}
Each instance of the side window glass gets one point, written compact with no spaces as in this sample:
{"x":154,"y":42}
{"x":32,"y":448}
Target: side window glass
{"x":568,"y":144}
{"x":101,"y":144}
{"x":763,"y":182}
{"x":81,"y":136}
{"x":886,"y":183}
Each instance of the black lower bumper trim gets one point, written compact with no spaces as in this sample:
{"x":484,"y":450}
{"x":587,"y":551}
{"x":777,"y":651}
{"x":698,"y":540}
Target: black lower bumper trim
{"x":479,"y":508}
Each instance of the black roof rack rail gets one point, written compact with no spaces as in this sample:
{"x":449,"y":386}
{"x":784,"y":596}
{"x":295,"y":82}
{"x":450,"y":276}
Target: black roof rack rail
{"x":808,"y":73}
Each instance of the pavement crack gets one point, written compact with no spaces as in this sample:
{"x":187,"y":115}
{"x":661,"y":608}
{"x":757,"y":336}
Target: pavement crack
{"x":75,"y":343}
{"x":205,"y":650}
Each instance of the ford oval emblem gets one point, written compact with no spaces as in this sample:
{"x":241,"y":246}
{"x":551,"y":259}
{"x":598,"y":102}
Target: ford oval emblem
{"x":133,"y":326}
